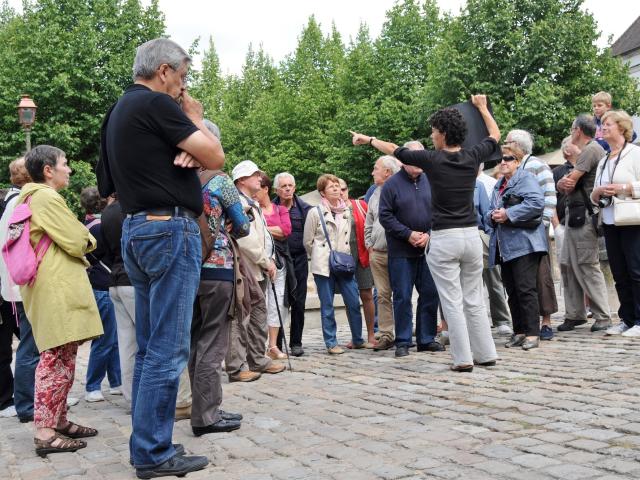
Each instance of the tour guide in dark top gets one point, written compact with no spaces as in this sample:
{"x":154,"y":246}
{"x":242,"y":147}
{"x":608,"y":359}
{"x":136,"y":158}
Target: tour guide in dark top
{"x":455,"y":251}
{"x":152,"y":141}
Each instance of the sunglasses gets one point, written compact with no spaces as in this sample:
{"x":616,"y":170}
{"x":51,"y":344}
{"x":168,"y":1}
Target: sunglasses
{"x":508,"y":158}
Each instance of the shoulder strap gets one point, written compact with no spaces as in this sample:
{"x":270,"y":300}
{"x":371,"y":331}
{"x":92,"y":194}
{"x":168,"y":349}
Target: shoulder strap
{"x":93,"y":223}
{"x":206,"y":175}
{"x":10,"y":197}
{"x":587,"y":202}
{"x":324,"y":226}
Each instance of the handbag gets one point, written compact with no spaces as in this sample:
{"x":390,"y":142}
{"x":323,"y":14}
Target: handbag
{"x":341,"y":264}
{"x":510,"y":200}
{"x":626,"y":212}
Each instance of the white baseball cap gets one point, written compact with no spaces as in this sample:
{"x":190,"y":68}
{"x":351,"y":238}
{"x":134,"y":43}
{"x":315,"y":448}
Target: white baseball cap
{"x":246,"y":168}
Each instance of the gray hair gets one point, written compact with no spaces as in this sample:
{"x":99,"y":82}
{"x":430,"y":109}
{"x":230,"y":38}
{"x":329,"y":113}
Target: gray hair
{"x":212,"y":127}
{"x":565,"y":141}
{"x":522,"y":140}
{"x":414,"y":145}
{"x":152,"y":54}
{"x":276,"y":179}
{"x":390,"y":163}
{"x":586,"y":124}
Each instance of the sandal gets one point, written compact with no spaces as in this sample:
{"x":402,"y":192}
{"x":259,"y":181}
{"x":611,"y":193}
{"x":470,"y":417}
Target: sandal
{"x":64,"y":444}
{"x":274,"y":353}
{"x":78,"y":432}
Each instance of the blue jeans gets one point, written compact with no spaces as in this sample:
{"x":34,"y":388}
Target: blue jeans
{"x":27,"y":359}
{"x":104,"y":357}
{"x":326,"y":287}
{"x":404,"y":273}
{"x":162,"y":259}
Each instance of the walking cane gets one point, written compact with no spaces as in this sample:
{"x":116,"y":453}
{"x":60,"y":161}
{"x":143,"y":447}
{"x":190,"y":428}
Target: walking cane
{"x":284,"y":337}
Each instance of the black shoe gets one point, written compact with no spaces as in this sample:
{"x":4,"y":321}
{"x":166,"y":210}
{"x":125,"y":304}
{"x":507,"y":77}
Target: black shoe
{"x":490,"y":363}
{"x":600,"y":325}
{"x":402,"y":351}
{"x":230,"y":416}
{"x":178,"y":447}
{"x":461,"y":368}
{"x":297,"y":351}
{"x":569,"y":325}
{"x":220,"y":426}
{"x":177,"y":466}
{"x":431,"y":347}
{"x":26,"y":419}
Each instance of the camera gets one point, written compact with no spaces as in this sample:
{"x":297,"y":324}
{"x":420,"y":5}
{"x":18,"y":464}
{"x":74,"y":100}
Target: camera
{"x":604,"y":202}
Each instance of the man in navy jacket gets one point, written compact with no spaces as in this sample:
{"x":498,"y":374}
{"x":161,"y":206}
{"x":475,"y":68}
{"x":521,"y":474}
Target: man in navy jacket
{"x":405,"y":214}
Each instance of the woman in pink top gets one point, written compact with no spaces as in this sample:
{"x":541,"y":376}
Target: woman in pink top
{"x":279,"y":226}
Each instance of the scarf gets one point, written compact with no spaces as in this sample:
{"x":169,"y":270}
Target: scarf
{"x":337,"y":211}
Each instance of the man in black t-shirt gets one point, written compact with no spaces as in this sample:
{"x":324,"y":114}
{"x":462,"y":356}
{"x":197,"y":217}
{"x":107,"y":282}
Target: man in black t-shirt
{"x":152,"y":141}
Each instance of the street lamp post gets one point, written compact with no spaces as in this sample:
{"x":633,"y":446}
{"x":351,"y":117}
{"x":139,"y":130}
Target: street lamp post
{"x":27,"y":117}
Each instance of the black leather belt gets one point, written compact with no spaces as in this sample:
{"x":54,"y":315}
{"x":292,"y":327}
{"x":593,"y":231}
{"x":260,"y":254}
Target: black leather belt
{"x":169,"y":211}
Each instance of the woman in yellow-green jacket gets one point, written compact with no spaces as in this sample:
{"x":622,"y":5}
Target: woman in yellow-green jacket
{"x":60,"y":304}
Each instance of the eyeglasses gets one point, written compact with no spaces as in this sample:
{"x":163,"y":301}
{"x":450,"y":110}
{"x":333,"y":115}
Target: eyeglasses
{"x":183,"y":76}
{"x":508,"y":158}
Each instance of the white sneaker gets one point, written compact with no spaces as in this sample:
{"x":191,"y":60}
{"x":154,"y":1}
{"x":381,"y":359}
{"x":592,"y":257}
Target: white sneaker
{"x":71,"y":401}
{"x":504,"y":330}
{"x":617,"y":329}
{"x":95,"y":396}
{"x":632,"y":332}
{"x":115,"y":391}
{"x":8,"y":412}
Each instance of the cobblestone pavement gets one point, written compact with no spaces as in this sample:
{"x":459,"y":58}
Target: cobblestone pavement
{"x":567,"y":410}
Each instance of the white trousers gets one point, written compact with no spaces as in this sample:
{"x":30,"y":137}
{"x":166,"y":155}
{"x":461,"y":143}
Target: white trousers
{"x":455,"y":262}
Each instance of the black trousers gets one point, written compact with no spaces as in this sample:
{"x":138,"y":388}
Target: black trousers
{"x":519,"y":277}
{"x":623,"y":250}
{"x":8,"y":328}
{"x":301,"y":268}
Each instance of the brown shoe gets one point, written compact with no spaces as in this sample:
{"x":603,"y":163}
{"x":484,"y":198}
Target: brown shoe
{"x":274,"y":368}
{"x":182,"y":413}
{"x":246,"y":376}
{"x":384,"y":344}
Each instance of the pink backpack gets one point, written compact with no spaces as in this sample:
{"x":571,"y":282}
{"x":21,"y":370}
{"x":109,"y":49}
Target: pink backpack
{"x":19,"y":256}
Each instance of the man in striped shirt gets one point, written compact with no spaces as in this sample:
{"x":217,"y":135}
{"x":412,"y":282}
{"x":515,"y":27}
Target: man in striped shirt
{"x":523,"y":141}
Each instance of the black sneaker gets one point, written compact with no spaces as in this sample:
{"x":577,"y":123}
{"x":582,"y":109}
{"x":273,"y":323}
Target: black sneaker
{"x":297,"y":351}
{"x":402,"y":351}
{"x":600,"y":325}
{"x":27,"y":419}
{"x":569,"y":325}
{"x":431,"y":347}
{"x":177,"y":466}
{"x":179,"y":448}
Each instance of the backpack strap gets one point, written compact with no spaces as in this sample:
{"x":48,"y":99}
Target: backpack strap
{"x":324,"y":226}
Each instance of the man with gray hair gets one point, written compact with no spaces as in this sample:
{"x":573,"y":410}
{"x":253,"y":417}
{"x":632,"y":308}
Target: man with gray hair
{"x":523,"y":141}
{"x":376,"y":242}
{"x":152,"y":141}
{"x":285,"y":185}
{"x":580,"y":251}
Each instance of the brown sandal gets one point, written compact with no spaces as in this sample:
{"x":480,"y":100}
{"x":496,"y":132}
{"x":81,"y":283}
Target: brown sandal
{"x":44,"y":447}
{"x":80,"y":431}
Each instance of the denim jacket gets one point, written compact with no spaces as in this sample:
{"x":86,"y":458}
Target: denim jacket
{"x":514,"y":242}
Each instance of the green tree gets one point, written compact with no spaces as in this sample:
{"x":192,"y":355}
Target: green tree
{"x":74,"y":58}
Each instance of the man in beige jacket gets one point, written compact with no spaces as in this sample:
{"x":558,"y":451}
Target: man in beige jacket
{"x":376,"y":242}
{"x":246,"y":359}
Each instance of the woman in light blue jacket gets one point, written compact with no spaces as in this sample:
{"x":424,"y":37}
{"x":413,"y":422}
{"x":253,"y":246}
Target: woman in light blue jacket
{"x":518,"y":242}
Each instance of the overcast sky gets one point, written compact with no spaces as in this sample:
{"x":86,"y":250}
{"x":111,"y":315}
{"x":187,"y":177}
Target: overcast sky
{"x":276,"y":24}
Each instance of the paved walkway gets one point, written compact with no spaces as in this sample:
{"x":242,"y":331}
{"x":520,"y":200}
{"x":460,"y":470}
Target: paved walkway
{"x":568,"y":410}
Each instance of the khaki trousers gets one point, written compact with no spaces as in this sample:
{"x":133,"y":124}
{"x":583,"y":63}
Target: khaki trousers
{"x":379,"y":268}
{"x":248,"y":339}
{"x":580,"y":254}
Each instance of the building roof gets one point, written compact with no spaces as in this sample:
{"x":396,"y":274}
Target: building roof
{"x":628,"y":41}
